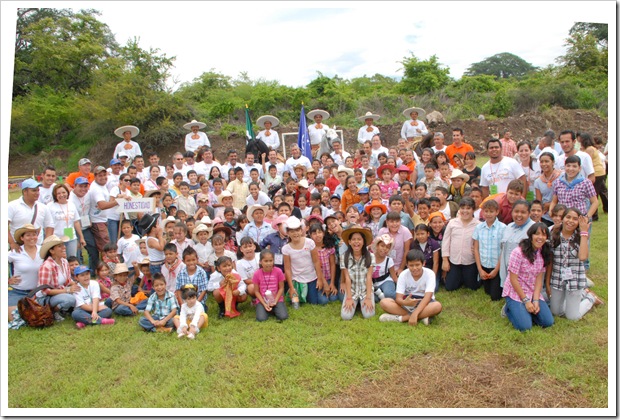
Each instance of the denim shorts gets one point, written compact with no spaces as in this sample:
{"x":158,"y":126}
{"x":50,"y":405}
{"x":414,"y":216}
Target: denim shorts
{"x":15,"y":295}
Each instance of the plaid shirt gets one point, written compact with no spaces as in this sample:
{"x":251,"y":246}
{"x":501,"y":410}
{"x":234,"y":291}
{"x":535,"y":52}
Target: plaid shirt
{"x":489,"y":242}
{"x":48,"y":273}
{"x":357,"y":273}
{"x":199,"y":279}
{"x":159,"y":308}
{"x":577,"y":194}
{"x":509,"y":147}
{"x":526,"y":273}
{"x":120,"y":291}
{"x":324,"y":254}
{"x":566,"y":255}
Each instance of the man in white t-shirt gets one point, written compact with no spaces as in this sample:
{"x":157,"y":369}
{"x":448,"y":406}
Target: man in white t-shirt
{"x":101,"y":204}
{"x":272,"y":159}
{"x":81,"y":199}
{"x":297,"y":159}
{"x":377,"y":147}
{"x":48,"y":182}
{"x":497,"y":173}
{"x":567,"y":140}
{"x":114,"y":173}
{"x":204,"y":166}
{"x":230,"y":164}
{"x":26,"y":210}
{"x":248,"y":165}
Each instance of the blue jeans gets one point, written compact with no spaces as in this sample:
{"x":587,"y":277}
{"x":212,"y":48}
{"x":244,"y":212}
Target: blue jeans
{"x":113,"y":230}
{"x":155,"y":269}
{"x":91,"y":248}
{"x":314,"y":296}
{"x":148,"y":325}
{"x":324,"y":299}
{"x":388,"y":288}
{"x":460,"y":275}
{"x":126,"y":310}
{"x":72,"y":247}
{"x":64,"y":301}
{"x":80,"y":315}
{"x":522,"y":320}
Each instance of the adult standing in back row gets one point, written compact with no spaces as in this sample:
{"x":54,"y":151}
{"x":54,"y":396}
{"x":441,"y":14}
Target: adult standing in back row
{"x":413,"y":127}
{"x":195,"y":139}
{"x":318,"y":129}
{"x":132,"y":148}
{"x":458,"y":146}
{"x":497,"y":173}
{"x":367,"y":131}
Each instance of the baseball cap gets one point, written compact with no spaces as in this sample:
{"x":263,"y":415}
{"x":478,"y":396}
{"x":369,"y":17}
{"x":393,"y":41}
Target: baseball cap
{"x":30,"y":183}
{"x":80,"y":269}
{"x":363,"y":190}
{"x":123,"y":154}
{"x":115,"y":162}
{"x":335,"y":196}
{"x":83,"y":161}
{"x":202,"y":197}
{"x":99,"y":169}
{"x":80,"y":180}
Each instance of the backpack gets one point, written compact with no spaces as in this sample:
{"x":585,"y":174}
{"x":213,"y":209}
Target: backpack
{"x":32,"y":313}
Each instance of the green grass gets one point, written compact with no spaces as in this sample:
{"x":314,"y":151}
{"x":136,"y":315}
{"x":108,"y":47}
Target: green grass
{"x":301,"y":362}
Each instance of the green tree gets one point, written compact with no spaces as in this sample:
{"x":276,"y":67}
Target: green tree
{"x":59,"y":48}
{"x":583,"y":54}
{"x":423,"y":76}
{"x":598,"y":30}
{"x":502,"y":66}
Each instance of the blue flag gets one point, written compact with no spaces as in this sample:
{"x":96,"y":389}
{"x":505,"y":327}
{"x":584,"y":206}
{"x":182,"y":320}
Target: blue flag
{"x":303,"y":137}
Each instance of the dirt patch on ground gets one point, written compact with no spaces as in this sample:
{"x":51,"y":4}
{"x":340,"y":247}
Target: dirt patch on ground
{"x":455,"y":382}
{"x":523,"y":127}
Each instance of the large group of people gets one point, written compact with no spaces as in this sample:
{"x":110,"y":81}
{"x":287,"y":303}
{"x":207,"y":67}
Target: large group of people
{"x":379,"y":225}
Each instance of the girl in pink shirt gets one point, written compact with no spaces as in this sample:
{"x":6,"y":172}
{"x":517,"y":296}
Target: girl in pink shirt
{"x":268,"y":281}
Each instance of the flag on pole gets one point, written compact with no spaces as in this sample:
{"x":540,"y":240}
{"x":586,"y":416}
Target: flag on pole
{"x":249,"y":131}
{"x":303,"y":137}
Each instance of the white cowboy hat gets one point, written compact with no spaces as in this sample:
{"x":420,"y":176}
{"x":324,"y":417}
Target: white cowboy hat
{"x":189,"y":125}
{"x":225,"y":194}
{"x":131,"y":128}
{"x":314,"y":112}
{"x":386,"y":239}
{"x":303,"y":183}
{"x":252,"y":209}
{"x":120,"y":268}
{"x":262,"y":120}
{"x":202,"y":228}
{"x":457,"y":173}
{"x":206,"y":220}
{"x":421,"y":113}
{"x":343,"y":168}
{"x":369,"y":115}
{"x":292,"y":223}
{"x":50,"y":242}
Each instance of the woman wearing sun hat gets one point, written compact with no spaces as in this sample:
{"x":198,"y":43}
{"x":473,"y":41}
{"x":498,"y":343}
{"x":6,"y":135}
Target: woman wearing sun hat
{"x":25,"y":263}
{"x":268,"y":136}
{"x":318,"y":129}
{"x":130,"y":147}
{"x":367,"y":131}
{"x":195,"y":139}
{"x":55,"y":272}
{"x":413,"y":128}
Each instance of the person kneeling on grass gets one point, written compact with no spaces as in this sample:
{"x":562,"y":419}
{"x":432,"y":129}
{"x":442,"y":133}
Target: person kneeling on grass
{"x":120,"y":293}
{"x":193,"y":316}
{"x":160,"y":309}
{"x":227,"y":292}
{"x":357,"y":265}
{"x":415,"y":294}
{"x":268,"y":281}
{"x":88,"y":308}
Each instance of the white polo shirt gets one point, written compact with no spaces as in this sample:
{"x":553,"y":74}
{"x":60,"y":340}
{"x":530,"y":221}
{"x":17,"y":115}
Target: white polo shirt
{"x":500,"y":174}
{"x":20,"y":214}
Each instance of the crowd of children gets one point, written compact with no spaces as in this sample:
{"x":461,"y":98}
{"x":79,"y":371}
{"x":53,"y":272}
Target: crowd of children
{"x":264,"y":237}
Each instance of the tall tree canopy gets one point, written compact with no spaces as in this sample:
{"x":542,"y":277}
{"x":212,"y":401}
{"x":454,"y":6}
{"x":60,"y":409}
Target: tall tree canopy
{"x":423,"y":76}
{"x":502,"y":66}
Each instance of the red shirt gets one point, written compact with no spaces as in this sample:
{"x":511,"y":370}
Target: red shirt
{"x":332,"y":183}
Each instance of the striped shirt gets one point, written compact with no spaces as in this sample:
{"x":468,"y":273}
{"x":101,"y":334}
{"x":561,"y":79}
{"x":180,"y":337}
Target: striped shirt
{"x":489,"y":242}
{"x":199,"y":279}
{"x":566,"y":255}
{"x":357,"y":273}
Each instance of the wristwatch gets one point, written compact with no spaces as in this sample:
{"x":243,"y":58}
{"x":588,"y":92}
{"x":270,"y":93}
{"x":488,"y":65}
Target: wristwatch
{"x":525,"y":299}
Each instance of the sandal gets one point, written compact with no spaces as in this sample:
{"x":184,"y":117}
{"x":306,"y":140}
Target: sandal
{"x":597,"y":300}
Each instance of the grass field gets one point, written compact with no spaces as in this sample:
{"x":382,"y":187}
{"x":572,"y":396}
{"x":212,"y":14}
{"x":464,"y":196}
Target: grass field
{"x":468,"y":357}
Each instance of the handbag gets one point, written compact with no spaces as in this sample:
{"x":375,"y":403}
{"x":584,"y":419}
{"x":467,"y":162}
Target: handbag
{"x":34,"y":314}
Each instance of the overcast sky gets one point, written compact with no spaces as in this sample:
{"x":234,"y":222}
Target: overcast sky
{"x":291,"y":41}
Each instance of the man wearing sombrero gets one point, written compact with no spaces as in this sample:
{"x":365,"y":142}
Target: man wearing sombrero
{"x":127,"y":132}
{"x":367,"y":131}
{"x":413,"y":128}
{"x":318,"y":129}
{"x":195,"y":139}
{"x":268,"y":136}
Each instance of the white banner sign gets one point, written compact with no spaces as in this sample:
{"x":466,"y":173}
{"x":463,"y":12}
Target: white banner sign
{"x":136,"y":205}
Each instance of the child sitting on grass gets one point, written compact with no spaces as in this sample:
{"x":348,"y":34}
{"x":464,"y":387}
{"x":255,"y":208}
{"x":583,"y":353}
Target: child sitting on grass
{"x":120,"y":293}
{"x":160,"y":308}
{"x":192,"y":274}
{"x":192,"y":316}
{"x":268,"y":281}
{"x":88,"y":308}
{"x":415,"y":294}
{"x":225,"y":293}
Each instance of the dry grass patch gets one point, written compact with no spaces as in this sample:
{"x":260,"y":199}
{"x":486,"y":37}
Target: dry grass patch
{"x":455,"y":382}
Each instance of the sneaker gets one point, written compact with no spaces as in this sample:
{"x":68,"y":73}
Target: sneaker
{"x":503,"y":312}
{"x":180,"y":335}
{"x":80,"y":325}
{"x":107,"y":321}
{"x":425,"y":321}
{"x":589,"y":283}
{"x":191,"y":336}
{"x":390,"y":318}
{"x":59,"y":318}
